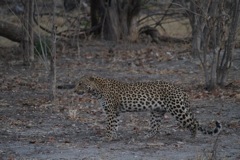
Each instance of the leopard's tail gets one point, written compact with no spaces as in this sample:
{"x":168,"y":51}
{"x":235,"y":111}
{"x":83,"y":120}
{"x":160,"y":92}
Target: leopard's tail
{"x":66,"y":86}
{"x":214,"y":131}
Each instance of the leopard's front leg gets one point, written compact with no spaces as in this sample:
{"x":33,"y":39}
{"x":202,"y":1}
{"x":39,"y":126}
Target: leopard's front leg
{"x":156,"y":116}
{"x":112,"y":125}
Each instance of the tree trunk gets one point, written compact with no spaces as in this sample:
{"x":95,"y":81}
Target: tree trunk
{"x":97,"y":13}
{"x":111,"y":23}
{"x":116,"y":17}
{"x":30,"y":31}
{"x":226,"y":59}
{"x":27,"y":31}
{"x":210,"y":27}
{"x":52,"y":73}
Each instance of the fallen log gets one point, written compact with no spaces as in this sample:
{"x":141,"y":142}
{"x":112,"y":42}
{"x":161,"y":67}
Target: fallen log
{"x":13,"y":32}
{"x":156,"y":37}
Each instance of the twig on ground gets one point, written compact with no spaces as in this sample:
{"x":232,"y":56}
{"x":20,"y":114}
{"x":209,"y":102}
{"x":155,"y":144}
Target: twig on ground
{"x":214,"y":149}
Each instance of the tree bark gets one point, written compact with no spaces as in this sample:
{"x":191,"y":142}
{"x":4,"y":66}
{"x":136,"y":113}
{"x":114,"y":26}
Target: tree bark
{"x":226,"y":59}
{"x":210,"y":29}
{"x":27,"y":31}
{"x":116,"y":17}
{"x":30,"y":31}
{"x":52,"y":73}
{"x":97,"y":13}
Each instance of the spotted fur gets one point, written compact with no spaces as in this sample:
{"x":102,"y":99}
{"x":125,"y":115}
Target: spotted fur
{"x":158,"y":97}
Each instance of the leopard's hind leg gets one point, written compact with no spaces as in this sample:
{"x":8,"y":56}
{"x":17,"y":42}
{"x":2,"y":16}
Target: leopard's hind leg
{"x":186,"y":119}
{"x":155,"y":122}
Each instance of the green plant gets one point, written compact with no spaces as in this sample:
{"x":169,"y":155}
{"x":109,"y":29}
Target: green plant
{"x":43,"y":48}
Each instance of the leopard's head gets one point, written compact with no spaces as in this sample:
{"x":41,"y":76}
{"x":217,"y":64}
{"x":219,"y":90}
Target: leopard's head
{"x":87,"y":84}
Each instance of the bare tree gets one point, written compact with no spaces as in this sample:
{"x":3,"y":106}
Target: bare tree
{"x":115,"y":17}
{"x":27,"y":30}
{"x":225,"y":61}
{"x":214,"y":27}
{"x":52,"y":73}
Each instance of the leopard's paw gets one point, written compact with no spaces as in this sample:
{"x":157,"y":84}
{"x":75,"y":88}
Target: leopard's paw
{"x":110,"y":136}
{"x":149,"y":135}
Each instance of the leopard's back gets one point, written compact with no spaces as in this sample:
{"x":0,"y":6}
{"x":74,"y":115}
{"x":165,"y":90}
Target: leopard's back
{"x":142,"y":96}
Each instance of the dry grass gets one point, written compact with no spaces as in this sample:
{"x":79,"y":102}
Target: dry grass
{"x":176,"y":28}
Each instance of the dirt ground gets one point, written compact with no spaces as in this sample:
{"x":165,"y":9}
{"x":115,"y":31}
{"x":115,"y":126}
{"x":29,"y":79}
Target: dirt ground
{"x":32,"y":127}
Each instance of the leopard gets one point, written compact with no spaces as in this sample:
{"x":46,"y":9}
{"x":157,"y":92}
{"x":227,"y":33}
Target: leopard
{"x":157,"y":97}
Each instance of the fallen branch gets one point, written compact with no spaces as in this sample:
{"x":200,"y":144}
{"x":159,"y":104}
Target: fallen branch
{"x":156,"y":37}
{"x":13,"y":32}
{"x":214,"y":149}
